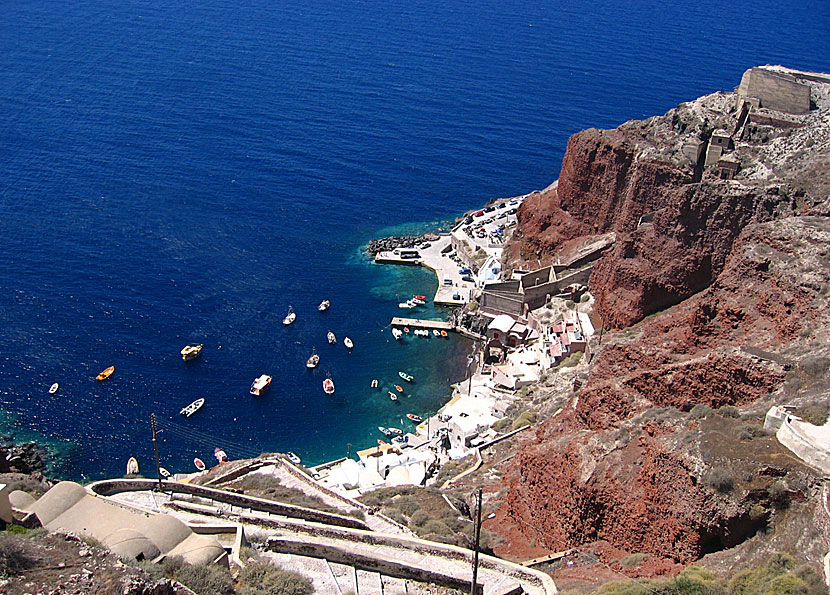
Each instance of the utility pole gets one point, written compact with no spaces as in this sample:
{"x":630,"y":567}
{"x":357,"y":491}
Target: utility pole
{"x":475,"y":547}
{"x":156,"y":448}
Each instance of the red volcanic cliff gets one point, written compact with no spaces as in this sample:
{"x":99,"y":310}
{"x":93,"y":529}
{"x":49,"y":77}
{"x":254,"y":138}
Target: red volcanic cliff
{"x":737,"y":274}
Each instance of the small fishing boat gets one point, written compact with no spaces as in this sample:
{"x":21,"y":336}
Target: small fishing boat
{"x":374,"y":383}
{"x":444,"y":334}
{"x":436,"y":332}
{"x":260,"y":384}
{"x":393,"y":431}
{"x":416,"y":418}
{"x":417,"y":301}
{"x":331,"y":338}
{"x":164,"y":472}
{"x":398,"y":439}
{"x":324,"y":305}
{"x":192,"y":408}
{"x":393,"y":396}
{"x":382,"y":442}
{"x":407,"y":304}
{"x":419,"y":297}
{"x":348,"y":343}
{"x":399,"y":388}
{"x":132,"y":466}
{"x":290,"y":317}
{"x":191,"y":351}
{"x":382,"y":429}
{"x":106,"y":373}
{"x":313,"y":360}
{"x":220,"y":455}
{"x":293,"y":458}
{"x":200,"y":464}
{"x":396,"y":332}
{"x":328,"y":386}
{"x":405,"y":376}
{"x":406,"y":329}
{"x":54,"y":388}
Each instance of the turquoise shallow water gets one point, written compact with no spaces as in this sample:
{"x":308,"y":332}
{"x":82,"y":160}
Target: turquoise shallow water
{"x":185,"y":172}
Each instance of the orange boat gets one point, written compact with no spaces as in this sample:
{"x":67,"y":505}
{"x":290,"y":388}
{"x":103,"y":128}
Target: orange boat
{"x":132,"y":466}
{"x":444,"y":334}
{"x":328,"y":386}
{"x":106,"y":373}
{"x":399,"y":388}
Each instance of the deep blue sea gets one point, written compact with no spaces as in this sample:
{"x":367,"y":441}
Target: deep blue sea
{"x":184,"y":171}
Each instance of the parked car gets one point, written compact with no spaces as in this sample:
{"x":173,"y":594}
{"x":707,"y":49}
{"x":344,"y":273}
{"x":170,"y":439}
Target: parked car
{"x":465,"y":272}
{"x":489,"y":209}
{"x":478,"y":214}
{"x":467,"y":278}
{"x":512,"y":211}
{"x":501,"y":205}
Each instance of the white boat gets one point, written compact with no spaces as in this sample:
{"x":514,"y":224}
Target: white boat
{"x":54,"y":388}
{"x":331,"y":338}
{"x":192,"y":408}
{"x":132,"y":466}
{"x":417,"y":301}
{"x":290,"y":317}
{"x":393,"y":396}
{"x":397,"y":333}
{"x":374,"y":383}
{"x":348,"y":343}
{"x":392,"y":431}
{"x":324,"y":305}
{"x":328,"y":386}
{"x":164,"y":472}
{"x":293,"y":458}
{"x":260,"y":384}
{"x":405,"y":376}
{"x":436,"y":332}
{"x":312,"y":361}
{"x":407,"y":304}
{"x":220,"y":455}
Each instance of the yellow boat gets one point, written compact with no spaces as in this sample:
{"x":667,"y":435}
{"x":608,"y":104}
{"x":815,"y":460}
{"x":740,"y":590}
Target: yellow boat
{"x":106,"y":373}
{"x":191,"y":351}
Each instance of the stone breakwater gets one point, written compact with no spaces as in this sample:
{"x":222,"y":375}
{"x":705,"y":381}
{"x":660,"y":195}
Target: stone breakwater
{"x":390,"y":243}
{"x":21,"y":458}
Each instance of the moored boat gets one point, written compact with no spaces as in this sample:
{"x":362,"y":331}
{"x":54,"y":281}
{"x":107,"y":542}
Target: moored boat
{"x":191,"y":351}
{"x":396,"y":332}
{"x":293,"y":458}
{"x":393,"y":396}
{"x":406,"y":305}
{"x":324,"y":305}
{"x":393,"y":431}
{"x":200,"y":464}
{"x":405,"y":376}
{"x":132,"y":466}
{"x":374,"y":383}
{"x":328,"y":386}
{"x":106,"y":373}
{"x":331,"y":338}
{"x":290,"y":317}
{"x":416,"y":418}
{"x":419,"y":297}
{"x":54,"y":388}
{"x":348,"y":343}
{"x":192,"y":408}
{"x":399,"y":388}
{"x":164,"y":472}
{"x":436,"y":332}
{"x":313,"y":360}
{"x":260,"y":384}
{"x":444,"y":334}
{"x":417,"y":301}
{"x":382,"y":442}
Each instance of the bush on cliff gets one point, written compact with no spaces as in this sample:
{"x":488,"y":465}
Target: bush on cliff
{"x":263,"y":578}
{"x":14,"y":558}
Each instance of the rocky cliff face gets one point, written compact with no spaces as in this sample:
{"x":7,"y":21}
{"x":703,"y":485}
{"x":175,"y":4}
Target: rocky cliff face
{"x":652,"y":455}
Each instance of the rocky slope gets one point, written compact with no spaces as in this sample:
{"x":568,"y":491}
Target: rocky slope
{"x":662,"y":451}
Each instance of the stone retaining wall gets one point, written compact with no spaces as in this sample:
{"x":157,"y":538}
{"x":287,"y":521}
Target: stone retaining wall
{"x":114,"y":486}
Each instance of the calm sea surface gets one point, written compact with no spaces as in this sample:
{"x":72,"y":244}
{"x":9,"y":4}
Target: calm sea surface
{"x":184,"y":171}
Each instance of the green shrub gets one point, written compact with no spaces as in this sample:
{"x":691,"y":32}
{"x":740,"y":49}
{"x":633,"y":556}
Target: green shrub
{"x":16,"y":529}
{"x":502,"y":424}
{"x":758,"y":513}
{"x":262,"y":578}
{"x":419,"y":518}
{"x":729,"y":411}
{"x":526,"y":418}
{"x":633,"y":559}
{"x":720,"y":480}
{"x":14,"y":558}
{"x":211,"y":579}
{"x":700,"y":411}
{"x":407,"y":505}
{"x":437,"y":527}
{"x":751,"y":431}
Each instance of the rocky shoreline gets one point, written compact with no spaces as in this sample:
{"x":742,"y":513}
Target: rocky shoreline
{"x":388,"y":244}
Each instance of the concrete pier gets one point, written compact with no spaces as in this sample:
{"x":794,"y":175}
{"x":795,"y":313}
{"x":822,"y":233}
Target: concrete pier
{"x":417,"y":323}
